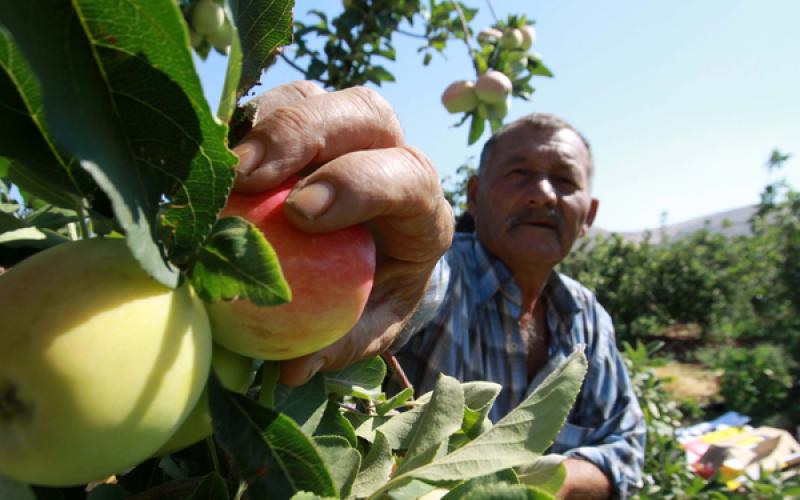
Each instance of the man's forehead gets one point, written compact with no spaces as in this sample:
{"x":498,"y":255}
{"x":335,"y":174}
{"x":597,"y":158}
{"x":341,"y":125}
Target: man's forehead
{"x":563,"y":142}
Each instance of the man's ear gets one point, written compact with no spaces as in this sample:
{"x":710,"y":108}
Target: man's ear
{"x":472,"y":193}
{"x":590,"y":216}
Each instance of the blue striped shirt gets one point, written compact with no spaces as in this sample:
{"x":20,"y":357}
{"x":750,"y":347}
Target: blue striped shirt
{"x":467,"y":327}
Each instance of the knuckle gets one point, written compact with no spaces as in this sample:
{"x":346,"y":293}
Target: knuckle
{"x":305,"y":88}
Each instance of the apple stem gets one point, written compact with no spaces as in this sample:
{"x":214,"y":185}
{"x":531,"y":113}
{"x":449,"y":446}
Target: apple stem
{"x":394,"y":365}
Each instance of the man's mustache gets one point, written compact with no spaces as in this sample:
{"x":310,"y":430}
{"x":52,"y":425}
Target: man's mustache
{"x":538,"y":217}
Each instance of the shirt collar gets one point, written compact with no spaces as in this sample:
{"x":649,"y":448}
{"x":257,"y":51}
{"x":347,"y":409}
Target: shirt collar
{"x":496,"y":277}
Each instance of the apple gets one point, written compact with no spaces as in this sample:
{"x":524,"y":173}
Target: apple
{"x":207,"y":17}
{"x":459,"y":97}
{"x":528,"y":36}
{"x":330,"y":276}
{"x":235,"y":372}
{"x":99,"y":363}
{"x":500,"y":110}
{"x":488,"y":36}
{"x":512,"y":39}
{"x":222,"y":38}
{"x":493,"y":87}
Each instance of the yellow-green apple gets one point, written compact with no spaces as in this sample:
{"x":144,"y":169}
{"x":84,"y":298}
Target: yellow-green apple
{"x":330,"y":275}
{"x":235,"y":372}
{"x":99,"y":363}
{"x":489,"y":36}
{"x":207,"y":16}
{"x":493,"y":87}
{"x":528,"y":36}
{"x":459,"y":97}
{"x":222,"y":38}
{"x":512,"y":39}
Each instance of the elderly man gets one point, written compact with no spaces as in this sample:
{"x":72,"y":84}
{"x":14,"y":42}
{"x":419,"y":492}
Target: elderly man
{"x":496,"y":310}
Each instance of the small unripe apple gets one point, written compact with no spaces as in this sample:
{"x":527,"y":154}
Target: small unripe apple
{"x":330,"y":275}
{"x":99,"y":363}
{"x":492,"y":87}
{"x":489,"y":36}
{"x":512,"y":39}
{"x":207,"y":17}
{"x":195,"y":38}
{"x":235,"y":374}
{"x":528,"y":36}
{"x":500,"y":110}
{"x":459,"y":97}
{"x":221,"y":39}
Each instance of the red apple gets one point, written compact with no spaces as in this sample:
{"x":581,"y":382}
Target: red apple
{"x":492,"y":87}
{"x":330,"y":276}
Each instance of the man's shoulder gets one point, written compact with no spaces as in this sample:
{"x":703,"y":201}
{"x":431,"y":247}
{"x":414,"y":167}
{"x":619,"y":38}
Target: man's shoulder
{"x":582,"y":295}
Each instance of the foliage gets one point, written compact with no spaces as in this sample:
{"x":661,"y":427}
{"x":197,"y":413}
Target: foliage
{"x":110,"y":136}
{"x":348,"y":49}
{"x":754,"y":381}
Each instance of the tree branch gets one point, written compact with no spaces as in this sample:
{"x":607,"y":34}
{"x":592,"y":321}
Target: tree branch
{"x":292,"y":63}
{"x":465,"y":27}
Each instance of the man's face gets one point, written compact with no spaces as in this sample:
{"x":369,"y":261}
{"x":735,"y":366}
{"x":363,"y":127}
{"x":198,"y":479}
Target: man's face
{"x":533,"y":199}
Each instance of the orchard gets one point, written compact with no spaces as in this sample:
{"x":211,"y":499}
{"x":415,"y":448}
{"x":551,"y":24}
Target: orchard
{"x":136,"y":286}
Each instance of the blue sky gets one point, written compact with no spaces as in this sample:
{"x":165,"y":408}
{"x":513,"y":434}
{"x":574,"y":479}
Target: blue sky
{"x":682,"y":101}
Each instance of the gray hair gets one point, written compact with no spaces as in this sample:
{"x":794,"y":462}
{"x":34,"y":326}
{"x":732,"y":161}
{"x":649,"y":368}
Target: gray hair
{"x":539,"y":121}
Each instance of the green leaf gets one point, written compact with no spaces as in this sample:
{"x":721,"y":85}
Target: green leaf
{"x":478,"y":401}
{"x":362,"y":379}
{"x":25,"y":233}
{"x":376,"y":467}
{"x":537,"y":67}
{"x":521,"y":436}
{"x":475,"y":129}
{"x":10,"y":488}
{"x":411,"y":490}
{"x":137,"y":120}
{"x":304,"y":404}
{"x":211,"y":488}
{"x":397,"y":428}
{"x":276,"y":458}
{"x":5,"y":163}
{"x":396,"y":401}
{"x":237,"y":262}
{"x":504,"y":491}
{"x":547,"y":473}
{"x":504,"y":476}
{"x":333,"y":423}
{"x":379,"y":74}
{"x":262,"y":25}
{"x":342,"y":460}
{"x":441,"y":417}
{"x":33,"y":161}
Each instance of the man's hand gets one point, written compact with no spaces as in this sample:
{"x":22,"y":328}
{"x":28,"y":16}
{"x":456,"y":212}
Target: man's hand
{"x":359,"y":170}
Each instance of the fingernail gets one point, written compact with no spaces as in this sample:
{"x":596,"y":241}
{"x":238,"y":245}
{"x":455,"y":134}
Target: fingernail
{"x":250,"y":153}
{"x":312,"y":200}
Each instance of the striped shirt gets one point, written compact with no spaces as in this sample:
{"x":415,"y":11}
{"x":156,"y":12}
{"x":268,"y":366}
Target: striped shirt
{"x":467,"y":327}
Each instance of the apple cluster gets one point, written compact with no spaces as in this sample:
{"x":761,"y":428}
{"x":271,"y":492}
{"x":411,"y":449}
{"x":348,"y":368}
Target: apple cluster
{"x":208,"y":23}
{"x":490,"y":95}
{"x":102,"y":367}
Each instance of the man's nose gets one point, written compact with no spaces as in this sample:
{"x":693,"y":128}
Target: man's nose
{"x":541,"y":192}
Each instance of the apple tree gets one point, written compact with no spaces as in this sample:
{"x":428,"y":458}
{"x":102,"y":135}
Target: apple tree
{"x":114,"y":172}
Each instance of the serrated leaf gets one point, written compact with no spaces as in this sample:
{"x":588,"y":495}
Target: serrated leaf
{"x":396,"y":401}
{"x":503,"y":491}
{"x":376,"y":467}
{"x":504,"y":476}
{"x":547,"y":473}
{"x":304,"y":404}
{"x":521,"y":436}
{"x":333,"y":423}
{"x":33,"y":162}
{"x":342,"y":460}
{"x":276,"y":458}
{"x":10,"y":488}
{"x":263,"y":26}
{"x":441,"y":417}
{"x":237,"y":262}
{"x":137,"y":119}
{"x":212,"y":487}
{"x":362,"y":379}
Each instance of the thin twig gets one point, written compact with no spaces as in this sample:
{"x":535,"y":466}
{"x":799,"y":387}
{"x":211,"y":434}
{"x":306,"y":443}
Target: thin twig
{"x":491,"y":9}
{"x":292,"y":63}
{"x":394,"y":365}
{"x":413,"y":35}
{"x":465,"y":28}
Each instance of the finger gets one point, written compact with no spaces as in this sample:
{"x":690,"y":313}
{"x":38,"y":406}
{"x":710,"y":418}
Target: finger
{"x":395,"y":190}
{"x":250,"y":150}
{"x":315,"y":130}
